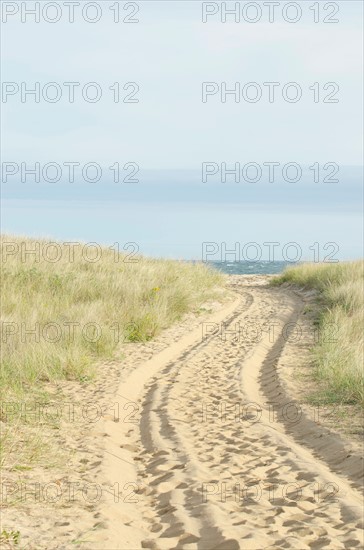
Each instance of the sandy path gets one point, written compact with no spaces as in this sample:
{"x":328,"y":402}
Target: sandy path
{"x":201,"y":461}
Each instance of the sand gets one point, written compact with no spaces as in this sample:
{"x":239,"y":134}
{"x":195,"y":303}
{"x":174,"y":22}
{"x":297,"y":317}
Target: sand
{"x":211,"y":446}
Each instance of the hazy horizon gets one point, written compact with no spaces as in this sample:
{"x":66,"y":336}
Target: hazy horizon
{"x":165,"y":60}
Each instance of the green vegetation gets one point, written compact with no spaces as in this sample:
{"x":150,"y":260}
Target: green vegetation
{"x":9,"y":538}
{"x":59,"y":317}
{"x":338,"y":359}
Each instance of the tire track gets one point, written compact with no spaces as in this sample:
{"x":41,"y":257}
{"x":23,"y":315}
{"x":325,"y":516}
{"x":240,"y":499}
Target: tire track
{"x":161,"y":439}
{"x":219,"y":479}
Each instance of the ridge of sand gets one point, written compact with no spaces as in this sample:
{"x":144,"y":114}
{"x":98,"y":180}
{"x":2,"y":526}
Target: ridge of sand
{"x":200,"y":471}
{"x":199,"y":447}
{"x":119,"y":453}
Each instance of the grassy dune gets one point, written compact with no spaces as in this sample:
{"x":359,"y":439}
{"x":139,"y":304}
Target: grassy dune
{"x":338,"y":360}
{"x":82,"y":310}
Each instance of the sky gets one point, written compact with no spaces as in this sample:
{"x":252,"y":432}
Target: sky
{"x":170,"y":133}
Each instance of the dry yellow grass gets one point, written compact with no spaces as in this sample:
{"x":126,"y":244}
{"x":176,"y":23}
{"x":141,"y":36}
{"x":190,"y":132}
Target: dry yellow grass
{"x":338,"y":359}
{"x":59,"y":319}
{"x":59,"y":316}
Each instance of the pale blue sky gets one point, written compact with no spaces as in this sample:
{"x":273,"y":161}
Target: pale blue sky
{"x":169,"y":53}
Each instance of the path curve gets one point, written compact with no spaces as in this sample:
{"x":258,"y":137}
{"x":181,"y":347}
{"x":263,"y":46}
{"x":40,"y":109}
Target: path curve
{"x":214,"y":462}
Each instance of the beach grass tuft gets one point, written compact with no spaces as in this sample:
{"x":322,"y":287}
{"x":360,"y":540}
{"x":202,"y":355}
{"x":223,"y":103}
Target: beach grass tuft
{"x":338,"y":360}
{"x":59,"y":317}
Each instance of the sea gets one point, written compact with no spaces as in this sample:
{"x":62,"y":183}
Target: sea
{"x":174,"y":214}
{"x":251,"y":268}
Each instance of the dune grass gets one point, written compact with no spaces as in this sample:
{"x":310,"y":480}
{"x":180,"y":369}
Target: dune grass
{"x":80,"y":310}
{"x":338,"y":359}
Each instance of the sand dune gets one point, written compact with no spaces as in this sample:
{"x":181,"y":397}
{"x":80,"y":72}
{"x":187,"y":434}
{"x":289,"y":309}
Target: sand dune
{"x":211,"y":448}
{"x":211,"y":471}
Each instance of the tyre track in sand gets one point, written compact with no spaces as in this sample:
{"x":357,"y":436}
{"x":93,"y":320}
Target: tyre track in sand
{"x":218,"y":473}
